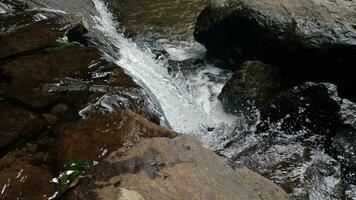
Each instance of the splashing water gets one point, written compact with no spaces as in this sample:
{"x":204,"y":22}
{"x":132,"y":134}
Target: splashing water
{"x":190,"y":106}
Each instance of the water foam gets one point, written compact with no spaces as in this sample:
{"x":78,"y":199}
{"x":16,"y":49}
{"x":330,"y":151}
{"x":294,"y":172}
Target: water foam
{"x":186,"y":111}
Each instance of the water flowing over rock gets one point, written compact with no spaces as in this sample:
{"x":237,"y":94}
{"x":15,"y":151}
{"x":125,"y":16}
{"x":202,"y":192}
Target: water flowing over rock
{"x":306,"y":39}
{"x":172,"y":169}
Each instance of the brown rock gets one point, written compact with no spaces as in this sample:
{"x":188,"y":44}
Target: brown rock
{"x":25,"y":174}
{"x":93,"y":138}
{"x":167,"y":169}
{"x":25,"y":181}
{"x":29,"y":74}
{"x":263,"y":187}
{"x":16,"y":122}
{"x":31,"y":37}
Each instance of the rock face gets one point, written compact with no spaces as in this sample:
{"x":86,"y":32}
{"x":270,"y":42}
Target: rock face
{"x":171,"y":169}
{"x":254,"y":84}
{"x":98,"y":136}
{"x":309,"y":37}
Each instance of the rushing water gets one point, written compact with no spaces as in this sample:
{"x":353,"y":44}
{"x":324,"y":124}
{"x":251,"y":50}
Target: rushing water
{"x":187,"y":97}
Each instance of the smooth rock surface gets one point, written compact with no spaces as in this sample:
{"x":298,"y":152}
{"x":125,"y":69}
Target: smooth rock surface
{"x":165,"y":169}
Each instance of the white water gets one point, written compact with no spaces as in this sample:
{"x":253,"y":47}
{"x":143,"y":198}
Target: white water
{"x":189,"y":104}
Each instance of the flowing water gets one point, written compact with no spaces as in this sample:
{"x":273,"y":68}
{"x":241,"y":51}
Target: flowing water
{"x":187,"y":98}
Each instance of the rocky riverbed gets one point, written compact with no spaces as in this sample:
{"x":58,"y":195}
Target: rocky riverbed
{"x":98,"y":99}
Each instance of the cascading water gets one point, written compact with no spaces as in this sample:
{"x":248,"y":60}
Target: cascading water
{"x":189,"y":105}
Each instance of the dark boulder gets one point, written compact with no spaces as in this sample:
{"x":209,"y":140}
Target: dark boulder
{"x":306,"y":39}
{"x":254,"y":84}
{"x":310,"y":108}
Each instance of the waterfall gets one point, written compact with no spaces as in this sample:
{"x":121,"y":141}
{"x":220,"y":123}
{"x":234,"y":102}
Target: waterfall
{"x":186,"y":103}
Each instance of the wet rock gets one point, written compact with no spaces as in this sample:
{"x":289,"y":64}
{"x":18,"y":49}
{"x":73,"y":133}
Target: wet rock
{"x":306,"y":39}
{"x":24,"y":181}
{"x":344,"y":150}
{"x":34,"y":36}
{"x":17,"y":123}
{"x":162,"y":168}
{"x":301,"y":171}
{"x":29,"y":74}
{"x":94,"y":138}
{"x":254,"y":84}
{"x":312,"y":108}
{"x":10,"y":23}
{"x":25,"y":173}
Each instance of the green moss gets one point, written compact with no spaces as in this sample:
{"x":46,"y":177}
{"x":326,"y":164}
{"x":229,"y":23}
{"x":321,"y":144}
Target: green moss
{"x":58,"y":46}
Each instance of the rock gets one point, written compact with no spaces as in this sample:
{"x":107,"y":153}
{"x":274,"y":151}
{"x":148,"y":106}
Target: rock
{"x":258,"y":184}
{"x":24,"y":181}
{"x":306,"y":39}
{"x":34,"y":36}
{"x":161,"y":168}
{"x":10,"y":23}
{"x":17,"y":123}
{"x":29,"y":74}
{"x":254,"y":84}
{"x":303,"y":172}
{"x":344,"y":150}
{"x":312,"y":108}
{"x":25,"y":173}
{"x":96,"y":137}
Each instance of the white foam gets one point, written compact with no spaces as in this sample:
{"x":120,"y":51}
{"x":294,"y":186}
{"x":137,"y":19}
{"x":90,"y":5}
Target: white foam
{"x":186,"y":111}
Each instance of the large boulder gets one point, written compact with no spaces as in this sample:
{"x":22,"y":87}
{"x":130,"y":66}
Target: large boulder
{"x":309,"y":37}
{"x":93,"y":138}
{"x":254,"y":84}
{"x":181,"y":168}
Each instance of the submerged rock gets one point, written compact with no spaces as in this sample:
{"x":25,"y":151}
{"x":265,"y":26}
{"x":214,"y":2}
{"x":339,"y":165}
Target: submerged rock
{"x":308,"y":37}
{"x":181,"y":169}
{"x":94,"y":138}
{"x":254,"y":84}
